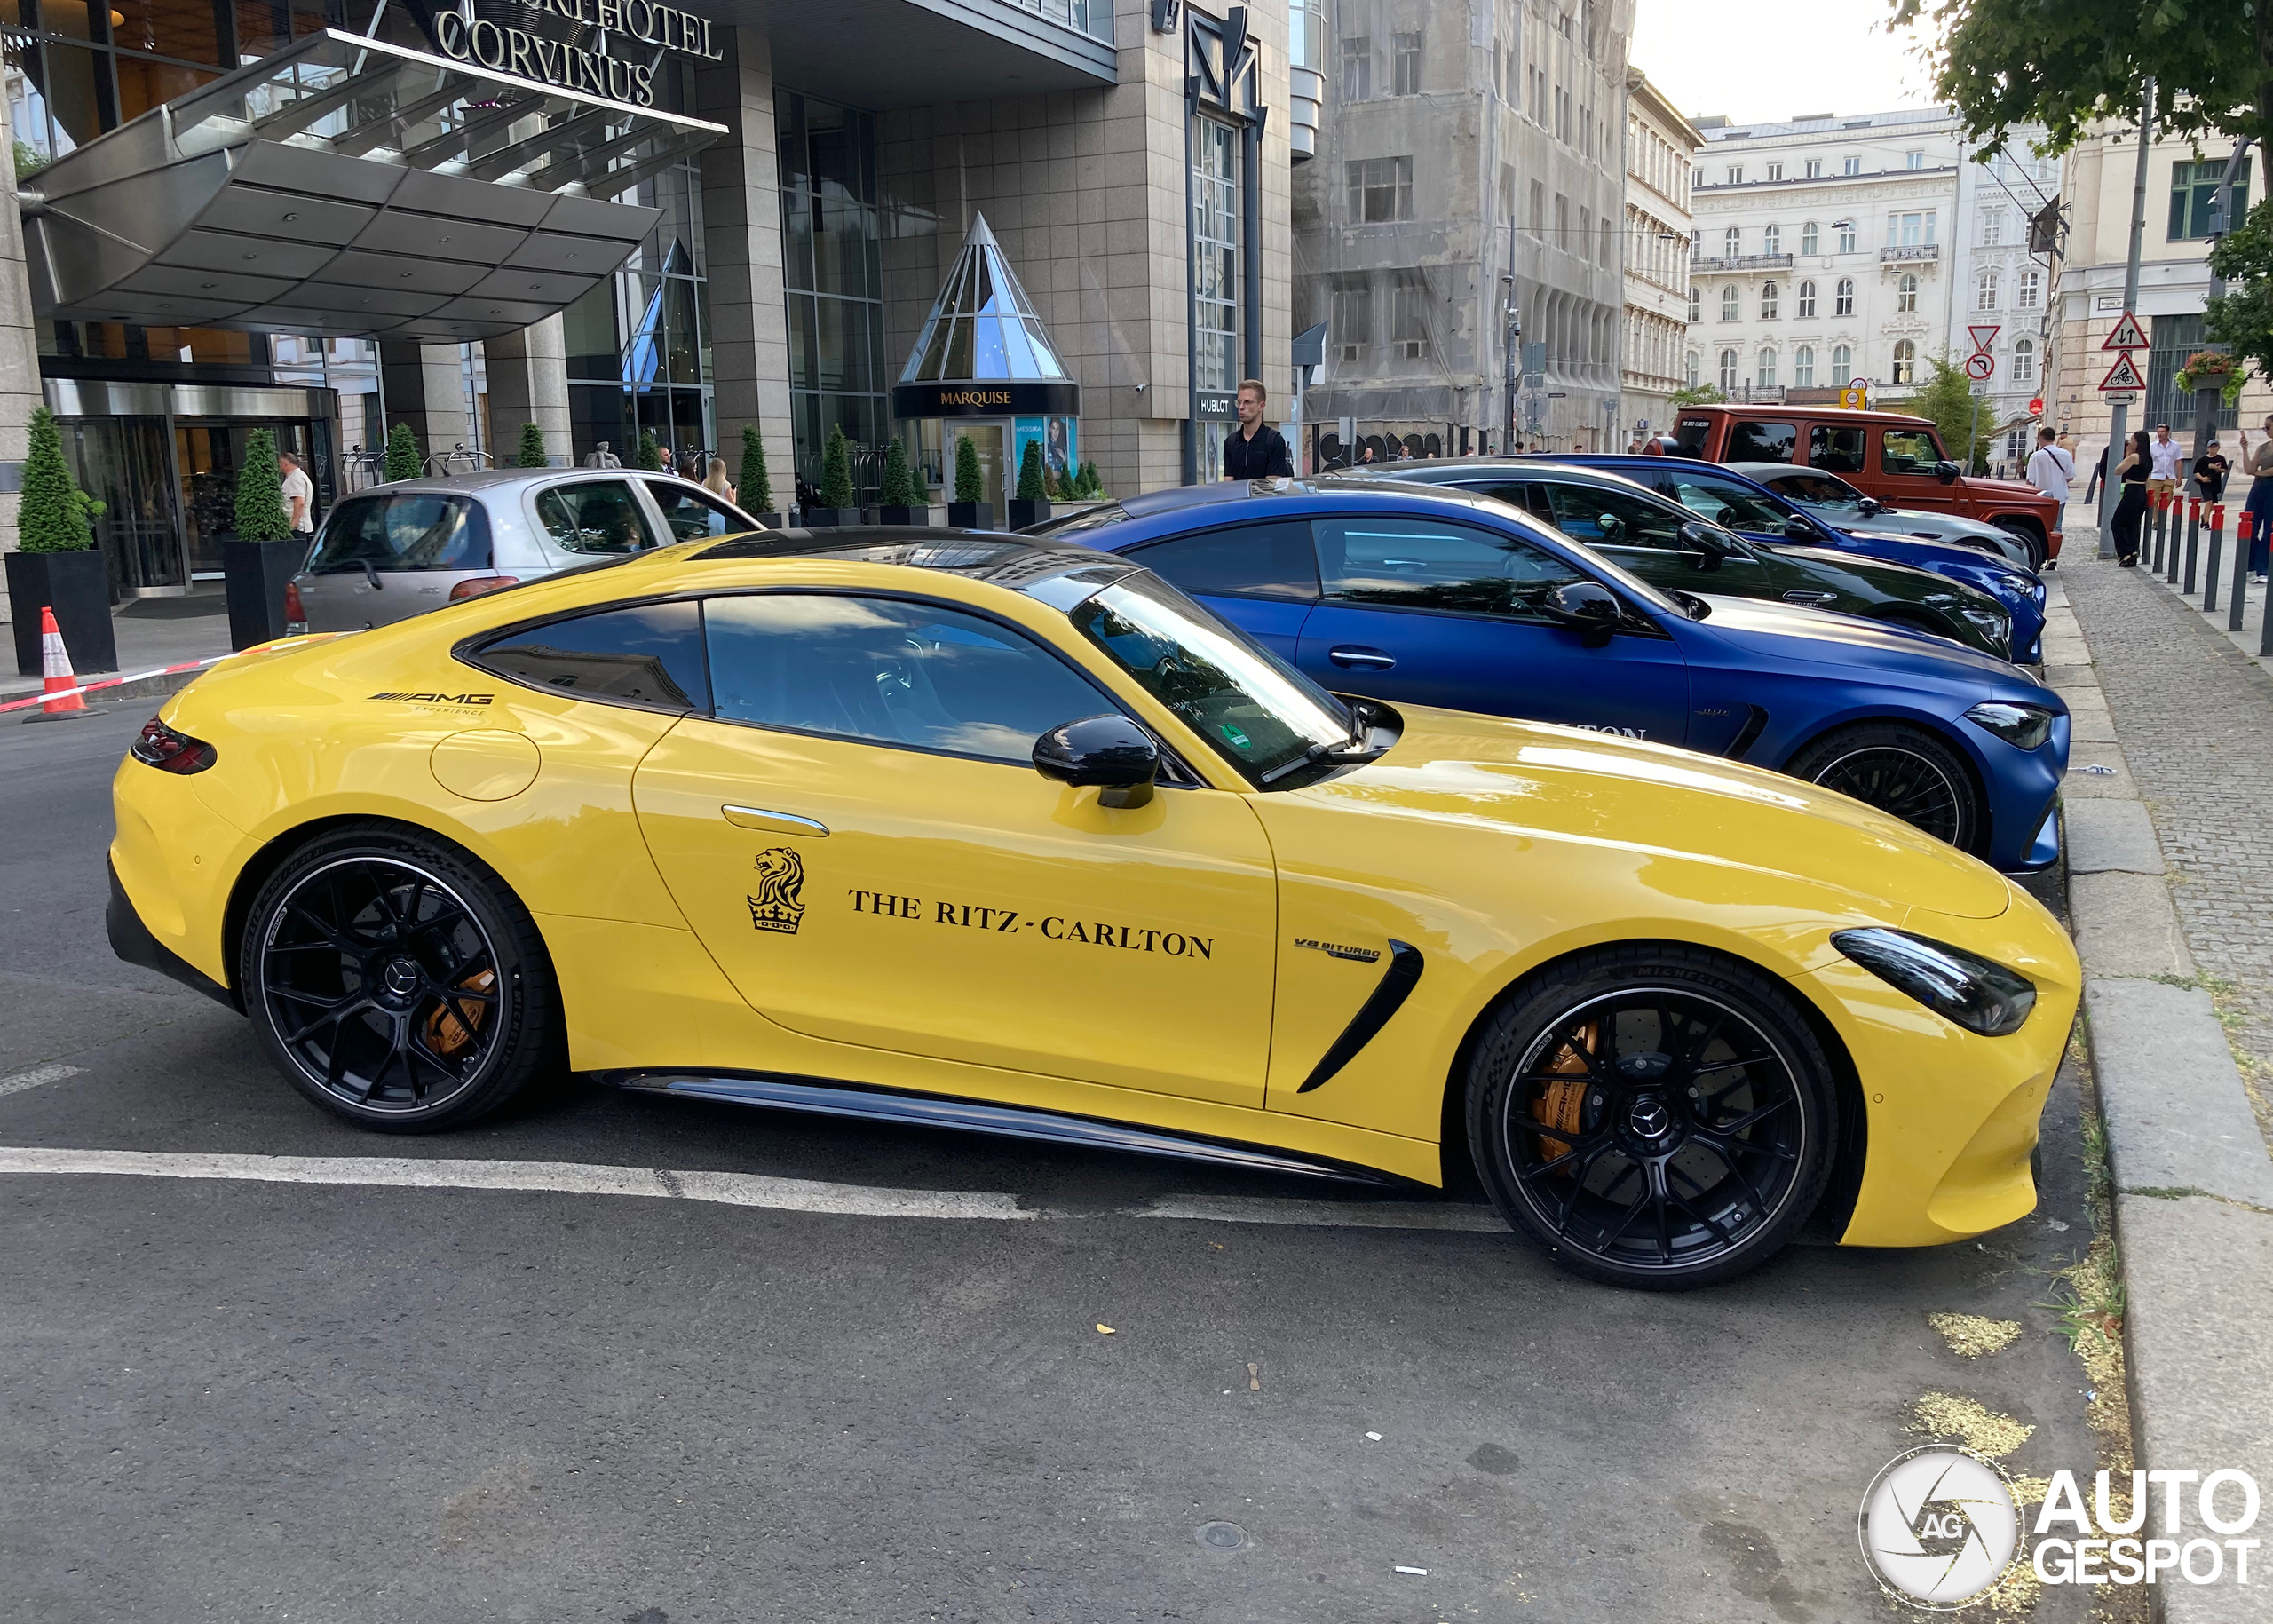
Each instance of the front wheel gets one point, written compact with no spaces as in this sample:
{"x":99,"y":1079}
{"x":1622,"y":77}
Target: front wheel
{"x":395,"y":982}
{"x":1654,"y":1115}
{"x":2038,"y":549}
{"x":1899,"y":769}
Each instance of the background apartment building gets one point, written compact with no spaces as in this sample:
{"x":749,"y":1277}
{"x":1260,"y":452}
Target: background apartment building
{"x":1465,"y":152}
{"x":1660,"y":158}
{"x":2001,"y":290}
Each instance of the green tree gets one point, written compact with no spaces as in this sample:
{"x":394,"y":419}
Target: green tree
{"x":969,"y":485}
{"x":755,"y":489}
{"x":897,"y":490}
{"x":836,"y":471}
{"x":55,"y":513}
{"x":2242,"y":317}
{"x":647,"y":454}
{"x":1030,"y":484}
{"x":531,"y":451}
{"x":1696,"y":394}
{"x":403,"y":461}
{"x":1947,"y":400}
{"x":260,"y":493}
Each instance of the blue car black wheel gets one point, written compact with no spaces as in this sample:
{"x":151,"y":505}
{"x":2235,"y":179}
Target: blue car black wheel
{"x":1901,"y":770}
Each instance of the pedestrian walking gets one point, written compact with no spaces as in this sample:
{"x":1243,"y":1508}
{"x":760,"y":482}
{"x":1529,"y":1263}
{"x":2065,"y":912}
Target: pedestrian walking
{"x":299,"y":494}
{"x":2051,"y":470}
{"x":2134,"y":472}
{"x":2260,"y":507}
{"x":716,"y":481}
{"x":2211,"y":470}
{"x":1255,"y":450}
{"x":2166,"y":452}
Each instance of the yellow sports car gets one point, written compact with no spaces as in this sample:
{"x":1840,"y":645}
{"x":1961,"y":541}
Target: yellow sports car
{"x":968,"y":831}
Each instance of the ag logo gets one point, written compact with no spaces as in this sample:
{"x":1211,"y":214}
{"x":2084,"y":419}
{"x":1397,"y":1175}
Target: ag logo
{"x":780,"y":902}
{"x":1938,"y":1526}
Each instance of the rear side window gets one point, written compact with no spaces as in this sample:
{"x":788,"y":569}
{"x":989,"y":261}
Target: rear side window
{"x":1760,"y":442}
{"x":1266,"y":560}
{"x":1908,"y":451}
{"x":1451,"y":569}
{"x":598,"y":515}
{"x":408,"y":530}
{"x":1614,"y":519}
{"x":693,"y":514}
{"x":1690,"y":436}
{"x":644,"y":655}
{"x":1835,"y":449}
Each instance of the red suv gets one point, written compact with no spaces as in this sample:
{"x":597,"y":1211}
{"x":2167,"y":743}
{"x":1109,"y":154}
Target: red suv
{"x":1890,"y":455}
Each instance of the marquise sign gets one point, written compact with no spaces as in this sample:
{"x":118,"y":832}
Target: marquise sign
{"x":529,"y":56}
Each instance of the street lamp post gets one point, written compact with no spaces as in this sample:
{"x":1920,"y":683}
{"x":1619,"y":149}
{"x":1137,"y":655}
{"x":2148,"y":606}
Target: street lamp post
{"x":1512,"y":324}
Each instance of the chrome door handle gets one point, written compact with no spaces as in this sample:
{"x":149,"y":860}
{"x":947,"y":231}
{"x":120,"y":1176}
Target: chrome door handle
{"x":772,"y":822}
{"x":1813,"y":600}
{"x":1369,"y":659}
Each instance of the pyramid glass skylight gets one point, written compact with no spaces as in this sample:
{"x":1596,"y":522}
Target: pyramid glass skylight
{"x":982,"y":327}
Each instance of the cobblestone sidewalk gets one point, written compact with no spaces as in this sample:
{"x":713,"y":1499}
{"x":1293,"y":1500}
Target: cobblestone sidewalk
{"x":2195,"y":717}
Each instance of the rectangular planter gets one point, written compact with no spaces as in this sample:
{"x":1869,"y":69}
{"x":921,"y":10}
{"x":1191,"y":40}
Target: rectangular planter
{"x":1025,"y":513}
{"x":771,"y":520}
{"x":255,"y":574}
{"x":970,"y":515}
{"x":903,"y":516}
{"x":76,"y":585}
{"x":821,"y":518}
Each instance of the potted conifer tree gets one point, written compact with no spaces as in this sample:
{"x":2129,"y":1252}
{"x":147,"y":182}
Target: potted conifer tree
{"x":899,"y":501}
{"x":532,"y":454}
{"x":403,"y":461}
{"x":1031,"y":505}
{"x":58,"y":567}
{"x":836,"y":495}
{"x":260,"y":560}
{"x":648,"y":456}
{"x":968,"y":511}
{"x":756,"y":486}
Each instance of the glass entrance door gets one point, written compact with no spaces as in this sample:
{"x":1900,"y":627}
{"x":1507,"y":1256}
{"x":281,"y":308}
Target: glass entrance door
{"x":120,"y":462}
{"x":209,"y":453}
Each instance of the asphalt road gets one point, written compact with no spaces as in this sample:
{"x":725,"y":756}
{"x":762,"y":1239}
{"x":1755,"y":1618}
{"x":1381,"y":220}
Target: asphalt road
{"x":239,"y":1400}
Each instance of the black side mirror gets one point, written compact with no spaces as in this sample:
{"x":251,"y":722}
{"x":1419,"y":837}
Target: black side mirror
{"x":1705,"y":543}
{"x":1108,"y":753}
{"x":1587,"y":607}
{"x":1946,"y":472}
{"x":1798,"y":530}
{"x":1871,"y":506}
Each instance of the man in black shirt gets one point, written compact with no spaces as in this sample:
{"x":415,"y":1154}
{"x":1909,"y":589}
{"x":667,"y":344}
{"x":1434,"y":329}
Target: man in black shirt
{"x":1255,"y":450}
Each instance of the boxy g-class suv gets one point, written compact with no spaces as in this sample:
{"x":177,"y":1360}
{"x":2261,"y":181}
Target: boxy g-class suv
{"x":1890,"y":455}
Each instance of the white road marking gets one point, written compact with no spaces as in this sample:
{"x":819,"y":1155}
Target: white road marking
{"x":55,"y":1072}
{"x":723,"y":1189}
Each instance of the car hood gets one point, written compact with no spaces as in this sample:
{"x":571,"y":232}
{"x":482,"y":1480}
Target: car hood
{"x":1565,"y":785}
{"x":1904,"y":521}
{"x":1904,"y":579}
{"x":1791,"y":634}
{"x":2005,"y":490}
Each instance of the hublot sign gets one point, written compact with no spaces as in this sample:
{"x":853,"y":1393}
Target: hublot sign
{"x":547,"y":61}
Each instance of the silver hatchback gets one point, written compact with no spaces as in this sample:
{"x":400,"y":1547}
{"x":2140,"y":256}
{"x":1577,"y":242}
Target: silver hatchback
{"x":396,"y":550}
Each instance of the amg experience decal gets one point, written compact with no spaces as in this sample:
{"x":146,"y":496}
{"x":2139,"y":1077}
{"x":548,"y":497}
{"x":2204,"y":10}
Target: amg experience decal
{"x":1052,"y":926}
{"x":438,"y":699}
{"x":779,"y":904}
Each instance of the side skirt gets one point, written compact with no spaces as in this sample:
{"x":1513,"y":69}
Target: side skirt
{"x":822,"y":1098}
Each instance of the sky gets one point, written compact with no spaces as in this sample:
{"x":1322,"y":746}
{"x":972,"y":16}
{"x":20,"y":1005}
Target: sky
{"x":1821,"y":56}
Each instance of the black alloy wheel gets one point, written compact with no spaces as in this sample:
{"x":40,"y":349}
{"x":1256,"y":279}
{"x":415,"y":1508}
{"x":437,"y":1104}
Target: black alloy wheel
{"x":1654,"y":1115}
{"x":395,"y":982}
{"x":1901,"y":770}
{"x":2038,"y":549}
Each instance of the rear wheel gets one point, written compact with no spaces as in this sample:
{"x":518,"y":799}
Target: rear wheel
{"x":1653,"y":1114}
{"x":1899,"y":769}
{"x":2030,"y":538}
{"x":395,"y":982}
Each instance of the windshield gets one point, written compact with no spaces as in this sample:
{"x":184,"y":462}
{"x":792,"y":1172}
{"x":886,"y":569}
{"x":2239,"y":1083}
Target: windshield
{"x":1730,"y":506}
{"x":404,"y":530}
{"x":1821,"y":491}
{"x":1260,"y":714}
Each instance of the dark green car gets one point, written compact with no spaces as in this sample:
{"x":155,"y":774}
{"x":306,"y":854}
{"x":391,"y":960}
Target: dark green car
{"x":1669,"y":546}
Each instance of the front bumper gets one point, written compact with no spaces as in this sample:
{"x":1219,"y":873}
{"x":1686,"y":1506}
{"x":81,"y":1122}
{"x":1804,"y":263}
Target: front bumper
{"x":2023,"y":792}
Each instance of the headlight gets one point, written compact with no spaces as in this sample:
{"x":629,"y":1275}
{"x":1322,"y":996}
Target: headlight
{"x":1994,"y":624}
{"x":1976,"y":994}
{"x":2022,"y":726}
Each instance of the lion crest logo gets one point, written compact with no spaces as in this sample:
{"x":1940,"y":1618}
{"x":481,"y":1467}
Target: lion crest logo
{"x":779,"y":904}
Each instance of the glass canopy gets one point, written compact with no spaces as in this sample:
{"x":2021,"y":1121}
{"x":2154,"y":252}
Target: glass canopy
{"x":982,"y":327}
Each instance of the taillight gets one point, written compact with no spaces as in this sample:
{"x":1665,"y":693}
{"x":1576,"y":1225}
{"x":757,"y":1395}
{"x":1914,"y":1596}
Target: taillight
{"x":294,"y":613}
{"x":160,"y":747}
{"x":480,"y":584}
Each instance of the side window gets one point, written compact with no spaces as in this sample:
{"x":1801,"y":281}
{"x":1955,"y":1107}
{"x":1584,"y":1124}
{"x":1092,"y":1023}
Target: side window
{"x":1452,"y":568}
{"x":413,"y":530}
{"x":1530,"y":499}
{"x":1266,"y":560}
{"x":1835,"y":449}
{"x":595,"y":516}
{"x":646,"y":654}
{"x":1760,"y":442}
{"x":1730,"y":506}
{"x":1908,"y":451}
{"x":890,"y":671}
{"x":693,"y":514}
{"x":1614,"y":519}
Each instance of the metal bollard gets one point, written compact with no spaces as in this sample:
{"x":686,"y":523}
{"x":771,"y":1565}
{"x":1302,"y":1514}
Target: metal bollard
{"x":2265,"y":626}
{"x":2210,"y":570}
{"x":2193,"y":537}
{"x":2240,"y":600}
{"x":2159,"y":506}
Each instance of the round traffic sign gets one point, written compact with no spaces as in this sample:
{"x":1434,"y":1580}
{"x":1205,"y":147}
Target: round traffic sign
{"x":2036,"y":406}
{"x":1980,"y":367}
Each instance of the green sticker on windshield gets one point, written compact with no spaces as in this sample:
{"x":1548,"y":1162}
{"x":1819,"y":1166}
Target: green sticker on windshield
{"x":1240,"y":741}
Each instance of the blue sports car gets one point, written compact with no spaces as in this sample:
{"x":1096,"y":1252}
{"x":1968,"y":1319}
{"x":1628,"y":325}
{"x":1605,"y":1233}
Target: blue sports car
{"x":1435,"y":597}
{"x":1753,"y":510}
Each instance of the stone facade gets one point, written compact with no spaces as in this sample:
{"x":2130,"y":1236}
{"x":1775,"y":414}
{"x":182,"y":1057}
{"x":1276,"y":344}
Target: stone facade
{"x":1660,"y":161}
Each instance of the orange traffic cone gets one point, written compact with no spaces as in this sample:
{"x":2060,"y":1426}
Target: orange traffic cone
{"x":55,"y":675}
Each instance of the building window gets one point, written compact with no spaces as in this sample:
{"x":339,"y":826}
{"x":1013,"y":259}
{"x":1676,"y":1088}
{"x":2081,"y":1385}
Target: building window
{"x":1846,"y":236}
{"x":1813,"y":168}
{"x":1216,"y":288}
{"x":1768,"y":368}
{"x":1357,"y":69}
{"x":1562,"y":115}
{"x":1771,"y":239}
{"x":1850,"y":166}
{"x":1688,"y":374}
{"x":1735,"y":174}
{"x":1913,"y":160}
{"x":1984,"y":290}
{"x":1379,"y":189}
{"x":2194,"y":192}
{"x":1408,"y":335}
{"x":1696,"y":306}
{"x":2031,"y":289}
{"x":1806,"y":302}
{"x":1538,"y":208}
{"x":1697,"y":179}
{"x":1405,"y":64}
{"x":1732,"y":241}
{"x":1587,"y":130}
{"x":1842,"y":367}
{"x":1807,"y":239}
{"x":2023,"y":360}
{"x":1803,"y":368}
{"x":1774,"y":171}
{"x":1353,"y":319}
{"x":1906,"y":294}
{"x":1583,"y":245}
{"x":1992,"y":228}
{"x":833,"y":279}
{"x":1728,"y":372}
{"x":1731,"y":304}
{"x":1909,"y":228}
{"x":1538,"y":97}
{"x":1905,"y":361}
{"x":1769,"y":300}
{"x":1563,"y":222}
{"x":1842,"y":297}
